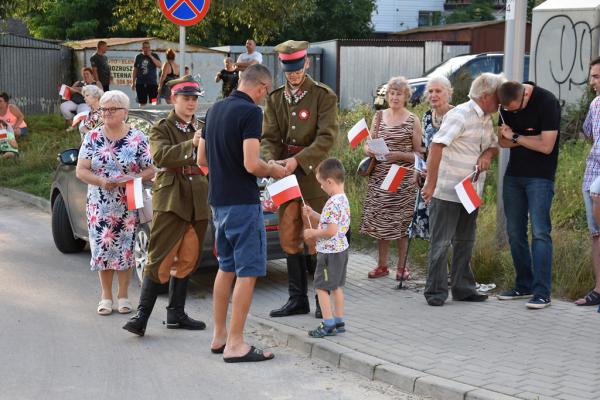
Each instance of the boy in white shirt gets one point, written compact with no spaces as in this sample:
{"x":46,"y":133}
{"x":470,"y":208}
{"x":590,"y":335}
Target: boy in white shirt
{"x":332,"y":247}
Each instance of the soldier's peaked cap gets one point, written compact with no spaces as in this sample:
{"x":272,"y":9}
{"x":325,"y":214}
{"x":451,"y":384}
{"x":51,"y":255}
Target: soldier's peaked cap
{"x":292,"y":54}
{"x":185,"y":85}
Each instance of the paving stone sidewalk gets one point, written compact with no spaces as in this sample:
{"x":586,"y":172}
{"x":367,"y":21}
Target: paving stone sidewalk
{"x":501,"y":347}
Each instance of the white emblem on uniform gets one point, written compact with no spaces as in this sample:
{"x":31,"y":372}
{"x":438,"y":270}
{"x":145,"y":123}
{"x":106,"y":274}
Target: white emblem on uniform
{"x":304,"y":115}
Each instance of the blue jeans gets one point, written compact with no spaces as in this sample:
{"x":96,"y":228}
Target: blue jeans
{"x":526,"y":198}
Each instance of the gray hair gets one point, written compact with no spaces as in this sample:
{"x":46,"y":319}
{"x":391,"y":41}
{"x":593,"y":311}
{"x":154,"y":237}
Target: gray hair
{"x":256,"y":74}
{"x":486,"y":83}
{"x":115,"y":96}
{"x":92,"y":90}
{"x":401,"y":84}
{"x":441,"y":80}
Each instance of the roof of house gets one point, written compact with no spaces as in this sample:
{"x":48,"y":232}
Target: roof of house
{"x":92,"y":43}
{"x":449,"y":27}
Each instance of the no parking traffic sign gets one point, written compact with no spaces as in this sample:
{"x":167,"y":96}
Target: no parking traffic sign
{"x":184,"y":12}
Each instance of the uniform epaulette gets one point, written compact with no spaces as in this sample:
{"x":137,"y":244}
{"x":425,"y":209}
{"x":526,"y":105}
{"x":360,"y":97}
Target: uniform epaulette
{"x":323,"y":86}
{"x":277,"y":89}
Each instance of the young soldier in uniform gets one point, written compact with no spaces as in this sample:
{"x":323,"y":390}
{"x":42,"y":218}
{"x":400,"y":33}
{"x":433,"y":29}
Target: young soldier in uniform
{"x":299,"y":128}
{"x":180,"y":208}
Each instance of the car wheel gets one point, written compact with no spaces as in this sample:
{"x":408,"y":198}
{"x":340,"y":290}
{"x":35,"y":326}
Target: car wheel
{"x":62,"y":232}
{"x":142,"y":239}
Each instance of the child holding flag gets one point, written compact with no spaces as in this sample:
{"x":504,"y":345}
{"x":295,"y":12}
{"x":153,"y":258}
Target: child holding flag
{"x":332,"y":246}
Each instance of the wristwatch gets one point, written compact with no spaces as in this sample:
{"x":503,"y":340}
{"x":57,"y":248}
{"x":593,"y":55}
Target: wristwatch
{"x":514,"y":138}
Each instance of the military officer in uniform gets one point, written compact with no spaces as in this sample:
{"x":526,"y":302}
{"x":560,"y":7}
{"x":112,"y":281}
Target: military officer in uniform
{"x":180,"y":209}
{"x":299,"y":128}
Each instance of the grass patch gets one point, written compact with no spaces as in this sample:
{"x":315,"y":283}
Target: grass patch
{"x":33,"y":170}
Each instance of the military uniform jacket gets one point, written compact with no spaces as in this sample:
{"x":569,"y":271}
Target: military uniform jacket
{"x":171,"y":147}
{"x":308,"y":118}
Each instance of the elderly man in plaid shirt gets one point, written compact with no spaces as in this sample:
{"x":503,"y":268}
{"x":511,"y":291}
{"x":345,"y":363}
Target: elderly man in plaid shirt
{"x":465,"y":141}
{"x":591,"y":183}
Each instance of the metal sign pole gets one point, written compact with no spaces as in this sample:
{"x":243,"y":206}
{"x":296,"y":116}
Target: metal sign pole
{"x":514,"y":56}
{"x":181,"y":50}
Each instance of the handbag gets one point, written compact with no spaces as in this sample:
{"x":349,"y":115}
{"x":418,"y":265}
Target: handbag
{"x":367,"y":164}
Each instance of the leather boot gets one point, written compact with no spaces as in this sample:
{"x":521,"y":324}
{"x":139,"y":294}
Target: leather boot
{"x":318,"y":313}
{"x":137,"y":323}
{"x":297,"y":287}
{"x":176,"y":316}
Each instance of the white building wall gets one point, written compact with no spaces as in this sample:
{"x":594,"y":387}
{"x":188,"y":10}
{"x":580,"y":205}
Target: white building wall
{"x":399,"y":15}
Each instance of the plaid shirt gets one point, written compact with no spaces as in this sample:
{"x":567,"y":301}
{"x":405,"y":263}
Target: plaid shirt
{"x":591,"y":129}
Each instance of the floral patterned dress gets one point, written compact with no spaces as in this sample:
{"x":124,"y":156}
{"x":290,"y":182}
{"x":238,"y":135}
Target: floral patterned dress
{"x":111,"y":226}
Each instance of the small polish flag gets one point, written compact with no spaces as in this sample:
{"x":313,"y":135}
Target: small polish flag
{"x":134,"y":194}
{"x":65,"y":92}
{"x":284,"y":190}
{"x":393,"y":178}
{"x":467,"y":194}
{"x":358,"y":133}
{"x":3,"y":135}
{"x":80,"y":117}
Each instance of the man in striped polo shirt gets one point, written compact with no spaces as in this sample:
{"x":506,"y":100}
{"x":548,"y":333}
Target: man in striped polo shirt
{"x":465,"y":143}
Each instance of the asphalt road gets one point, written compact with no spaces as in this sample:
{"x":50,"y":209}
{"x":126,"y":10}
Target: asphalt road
{"x":53,"y":345}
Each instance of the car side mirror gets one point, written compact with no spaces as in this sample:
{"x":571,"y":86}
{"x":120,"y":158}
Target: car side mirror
{"x":69,"y":157}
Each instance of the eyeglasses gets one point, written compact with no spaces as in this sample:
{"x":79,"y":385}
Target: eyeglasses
{"x":520,"y":105}
{"x":111,"y":110}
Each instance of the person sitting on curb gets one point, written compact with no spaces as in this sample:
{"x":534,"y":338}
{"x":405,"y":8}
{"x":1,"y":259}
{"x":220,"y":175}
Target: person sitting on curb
{"x":332,"y":247}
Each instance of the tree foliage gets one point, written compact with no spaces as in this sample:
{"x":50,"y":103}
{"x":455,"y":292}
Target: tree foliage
{"x":478,"y":10}
{"x":66,"y":19}
{"x":227,"y":21}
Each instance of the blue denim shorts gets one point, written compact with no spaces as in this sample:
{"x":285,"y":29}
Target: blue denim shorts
{"x":587,"y":199}
{"x":241,"y":239}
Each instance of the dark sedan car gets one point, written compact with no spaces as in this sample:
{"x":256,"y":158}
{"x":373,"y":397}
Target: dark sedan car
{"x":68,"y":198}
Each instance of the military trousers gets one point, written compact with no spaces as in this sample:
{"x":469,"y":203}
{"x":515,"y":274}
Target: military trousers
{"x":292,"y":225}
{"x":175,"y":246}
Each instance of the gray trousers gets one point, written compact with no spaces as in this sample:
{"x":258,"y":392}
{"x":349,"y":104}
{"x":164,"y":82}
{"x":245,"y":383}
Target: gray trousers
{"x":450,"y":224}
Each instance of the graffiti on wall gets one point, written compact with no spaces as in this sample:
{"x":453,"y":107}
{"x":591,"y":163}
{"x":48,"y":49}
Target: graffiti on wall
{"x":563,"y":51}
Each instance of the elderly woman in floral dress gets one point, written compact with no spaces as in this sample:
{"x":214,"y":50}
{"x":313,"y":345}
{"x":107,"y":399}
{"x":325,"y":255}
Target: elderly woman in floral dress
{"x":92,"y":95}
{"x":110,"y":155}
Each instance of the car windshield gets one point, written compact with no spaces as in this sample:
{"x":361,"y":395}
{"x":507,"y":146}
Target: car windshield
{"x":449,"y":66}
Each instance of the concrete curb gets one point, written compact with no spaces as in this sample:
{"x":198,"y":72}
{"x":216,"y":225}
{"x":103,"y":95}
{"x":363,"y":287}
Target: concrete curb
{"x":406,"y":379}
{"x":35,"y":201}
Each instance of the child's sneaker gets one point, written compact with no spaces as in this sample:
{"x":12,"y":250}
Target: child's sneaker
{"x":340,"y":327}
{"x":322,"y":331}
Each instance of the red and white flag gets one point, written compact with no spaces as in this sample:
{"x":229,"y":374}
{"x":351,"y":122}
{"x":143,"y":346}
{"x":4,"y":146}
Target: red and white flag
{"x":284,"y":190}
{"x":358,"y":133}
{"x":80,"y":117}
{"x":65,"y":92}
{"x":135,"y":194}
{"x":3,"y":135}
{"x":468,"y":195}
{"x":393,"y":178}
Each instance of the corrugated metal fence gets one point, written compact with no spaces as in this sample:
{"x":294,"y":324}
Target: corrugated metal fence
{"x":31,"y":71}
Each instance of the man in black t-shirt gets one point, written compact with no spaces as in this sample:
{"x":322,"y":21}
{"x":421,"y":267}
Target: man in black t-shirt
{"x":529,"y":125}
{"x":144,"y":80}
{"x":100,"y":66}
{"x":230,"y":147}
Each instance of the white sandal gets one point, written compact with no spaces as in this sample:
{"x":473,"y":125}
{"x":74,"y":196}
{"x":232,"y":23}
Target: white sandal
{"x":125,"y":306}
{"x":105,"y":307}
